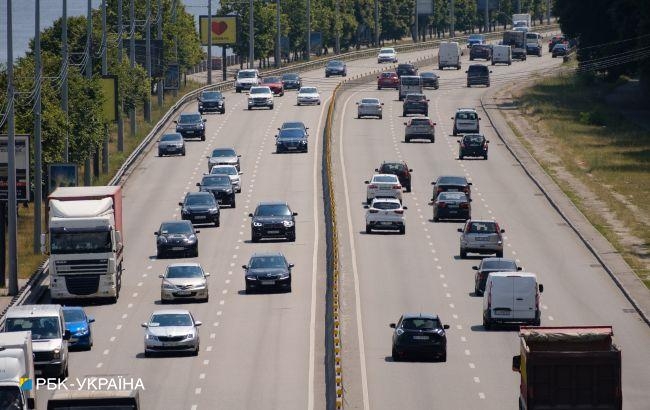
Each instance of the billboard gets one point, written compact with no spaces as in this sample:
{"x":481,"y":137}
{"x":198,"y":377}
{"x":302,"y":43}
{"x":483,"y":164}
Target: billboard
{"x":157,"y":60}
{"x":172,"y":77}
{"x":225,"y":30}
{"x":425,"y":7}
{"x":61,"y":174}
{"x":22,"y":168}
{"x":109,"y":89}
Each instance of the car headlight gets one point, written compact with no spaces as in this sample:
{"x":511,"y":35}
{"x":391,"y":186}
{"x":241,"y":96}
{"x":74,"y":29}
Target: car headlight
{"x":399,"y":332}
{"x":213,"y":210}
{"x":287,"y":224}
{"x":56,"y":353}
{"x":199,"y":287}
{"x":257,"y":224}
{"x":251,"y":278}
{"x":189,"y":336}
{"x":303,"y":142}
{"x":184,"y":211}
{"x":200,"y":105}
{"x":82,"y":332}
{"x":149,"y":336}
{"x":190,"y":239}
{"x":284,"y":276}
{"x":162,"y":239}
{"x":229,"y":191}
{"x":168,"y":286}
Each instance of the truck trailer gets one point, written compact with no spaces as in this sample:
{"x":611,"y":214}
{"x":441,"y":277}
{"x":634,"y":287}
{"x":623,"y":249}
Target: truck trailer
{"x":17,"y":384}
{"x":517,"y":42}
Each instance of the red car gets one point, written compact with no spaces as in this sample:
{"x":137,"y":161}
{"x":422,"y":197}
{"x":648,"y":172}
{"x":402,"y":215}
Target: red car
{"x":388,"y":80}
{"x":275,"y":84}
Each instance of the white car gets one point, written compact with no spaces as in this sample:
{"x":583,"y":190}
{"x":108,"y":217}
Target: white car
{"x":171,"y":330}
{"x":387,"y":54}
{"x":369,"y":107}
{"x":308,"y":95}
{"x":184,"y":281}
{"x":231,"y":171}
{"x":245,"y":79}
{"x":261,"y":96}
{"x":386,"y":185}
{"x":466,"y":121}
{"x":385,"y":213}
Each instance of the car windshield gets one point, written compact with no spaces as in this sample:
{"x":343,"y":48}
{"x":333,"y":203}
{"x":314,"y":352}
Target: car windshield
{"x":273,"y":210}
{"x":415,"y":97}
{"x":41,"y":327}
{"x":452,"y":196}
{"x":410,"y":80}
{"x":170,"y":319}
{"x":291,"y":133}
{"x":428,"y":75}
{"x":390,"y":168}
{"x":419,"y":121}
{"x":503,"y":265}
{"x":224,"y":152}
{"x":171,"y":137}
{"x":73,"y":315}
{"x":482,"y":227}
{"x":452,"y":181}
{"x":184,"y":271}
{"x":211,"y":95}
{"x":65,"y":242}
{"x":334,"y":64}
{"x":215,"y":179}
{"x":387,"y":51}
{"x":308,"y":90}
{"x":267,"y":262}
{"x":420,"y":324}
{"x":290,"y":77}
{"x":200,"y":199}
{"x":466,"y":115}
{"x":370,"y":101}
{"x":387,"y":75}
{"x":478,"y":69}
{"x":246,"y":74}
{"x":175,"y":227}
{"x":389,"y":179}
{"x":271,"y":80}
{"x":293,"y":124}
{"x":559,"y":46}
{"x":260,"y":90}
{"x":228,"y":170}
{"x":475,"y":37}
{"x":385,"y":205}
{"x":473,"y":139}
{"x":189,"y":118}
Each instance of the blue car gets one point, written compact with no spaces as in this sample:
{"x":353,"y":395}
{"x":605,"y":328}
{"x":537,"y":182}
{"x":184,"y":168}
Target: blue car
{"x":78,"y":323}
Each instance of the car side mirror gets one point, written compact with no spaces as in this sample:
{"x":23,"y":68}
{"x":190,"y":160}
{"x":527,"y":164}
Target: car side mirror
{"x":376,"y":169}
{"x":469,"y":183}
{"x":241,"y":173}
{"x":382,"y":103}
{"x":91,"y":320}
{"x":156,"y":233}
{"x":475,"y":267}
{"x":479,"y":118}
{"x":66,"y":335}
{"x":239,"y":156}
{"x":366,"y":182}
{"x":431,"y":203}
{"x":433,"y":183}
{"x":405,"y":124}
{"x":392,"y":325}
{"x":458,"y":141}
{"x":410,"y":170}
{"x":445,"y":326}
{"x":198,"y":183}
{"x":198,"y":323}
{"x":357,"y":103}
{"x":460,"y":230}
{"x":295,"y":214}
{"x":180,"y":204}
{"x":516,"y":363}
{"x":366,"y":206}
{"x":161,"y":276}
{"x":541,"y":288}
{"x":487,"y":141}
{"x":465,"y":71}
{"x":490,"y":71}
{"x":452,"y":118}
{"x":404,"y":207}
{"x":205,"y":120}
{"x":503,"y":231}
{"x":244,"y":266}
{"x":197,"y":231}
{"x":175,"y":122}
{"x":519,"y":268}
{"x":144,"y":324}
{"x":207,"y":156}
{"x":291,"y":265}
{"x":250,"y":215}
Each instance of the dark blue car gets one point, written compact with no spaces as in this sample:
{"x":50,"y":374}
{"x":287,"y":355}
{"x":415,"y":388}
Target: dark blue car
{"x":78,"y":323}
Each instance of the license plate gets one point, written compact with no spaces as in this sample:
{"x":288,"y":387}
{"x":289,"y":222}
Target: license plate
{"x":183,"y":293}
{"x":386,"y":223}
{"x":293,"y":147}
{"x":452,"y":190}
{"x":453,"y":205}
{"x":169,"y":343}
{"x":268,"y":282}
{"x":200,"y":217}
{"x":482,"y":238}
{"x":420,"y":337}
{"x":189,"y":132}
{"x":273,"y":232}
{"x":178,"y":248}
{"x":385,"y":188}
{"x":502,"y":312}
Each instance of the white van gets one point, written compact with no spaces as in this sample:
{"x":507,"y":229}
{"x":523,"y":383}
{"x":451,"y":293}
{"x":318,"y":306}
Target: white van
{"x":511,"y":297}
{"x":501,"y":54}
{"x":449,"y":55}
{"x":409,"y":84}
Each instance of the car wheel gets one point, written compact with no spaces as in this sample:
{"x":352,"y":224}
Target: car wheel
{"x":195,"y":252}
{"x":406,"y":139}
{"x":237,"y":90}
{"x":485,"y":157}
{"x":394,"y":355}
{"x":463,"y":254}
{"x":368,"y":201}
{"x":147,"y":354}
{"x":403,"y":113}
{"x":327,"y":76}
{"x":298,"y":104}
{"x":380,"y":117}
{"x":439,"y":67}
{"x":500,"y":254}
{"x":486,"y":324}
{"x":183,"y":152}
{"x":408,"y":188}
{"x":461,"y":157}
{"x":436,"y":87}
{"x":318,"y":102}
{"x":195,"y":352}
{"x":492,"y":62}
{"x":271,"y":107}
{"x":368,"y":229}
{"x":233,"y":204}
{"x":255,"y":238}
{"x":206,"y":300}
{"x":250,"y":108}
{"x":402,"y":230}
{"x":443,"y":357}
{"x":247,"y":290}
{"x":159,"y":254}
{"x":433,"y":140}
{"x":358,"y":117}
{"x":217,"y":222}
{"x":379,"y":87}
{"x":436,"y":219}
{"x":454,"y":132}
{"x":291,"y":238}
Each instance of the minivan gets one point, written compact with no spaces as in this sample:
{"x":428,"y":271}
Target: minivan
{"x":501,"y":55}
{"x":409,"y":84}
{"x":449,"y":55}
{"x":466,"y":121}
{"x":511,"y":297}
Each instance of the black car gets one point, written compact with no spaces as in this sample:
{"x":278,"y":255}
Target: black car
{"x":560,"y":49}
{"x":430,"y":80}
{"x":398,"y":168}
{"x":177,"y":237}
{"x":488,"y":265}
{"x":473,"y":145}
{"x":478,"y":74}
{"x":291,"y":81}
{"x":406,"y":69}
{"x":419,"y":334}
{"x":200,"y":208}
{"x":450,"y":183}
{"x":170,"y":144}
{"x":220,"y":186}
{"x":336,"y":67}
{"x":267,"y":271}
{"x":191,"y":125}
{"x":555,"y":40}
{"x":480,"y":51}
{"x":415,"y":104}
{"x":294,"y":124}
{"x":273,"y":220}
{"x":291,"y":140}
{"x":212,"y":101}
{"x":451,"y":205}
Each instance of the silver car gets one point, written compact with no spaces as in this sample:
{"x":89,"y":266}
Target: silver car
{"x":170,"y":144}
{"x":223,"y":156}
{"x":369,"y":107}
{"x":420,"y":128}
{"x":171,"y":330}
{"x":232,"y":172}
{"x":184,"y":281}
{"x":481,"y":236}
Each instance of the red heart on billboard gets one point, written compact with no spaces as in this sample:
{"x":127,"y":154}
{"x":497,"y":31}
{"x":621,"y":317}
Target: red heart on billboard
{"x":219,"y":27}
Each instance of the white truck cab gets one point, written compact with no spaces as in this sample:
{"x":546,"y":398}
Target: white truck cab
{"x":511,"y":297}
{"x":17,"y":384}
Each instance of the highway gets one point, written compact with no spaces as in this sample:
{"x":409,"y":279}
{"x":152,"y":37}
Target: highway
{"x":385,"y":274}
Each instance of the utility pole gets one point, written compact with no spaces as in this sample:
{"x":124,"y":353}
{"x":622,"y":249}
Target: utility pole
{"x":147,"y":59}
{"x":210,"y":42}
{"x":308,"y":30}
{"x":120,"y":123}
{"x":376,"y":23}
{"x":548,"y":11}
{"x":89,"y":75}
{"x":417,"y":28}
{"x":278,"y":52}
{"x":64,"y":80}
{"x":38,"y":167}
{"x":174,"y":4}
{"x":487,"y":17}
{"x":518,"y":6}
{"x":337,"y":44}
{"x":132,"y":58}
{"x":452,"y":32}
{"x":11,"y":148}
{"x":104,"y":72}
{"x":251,"y":39}
{"x":161,"y":96}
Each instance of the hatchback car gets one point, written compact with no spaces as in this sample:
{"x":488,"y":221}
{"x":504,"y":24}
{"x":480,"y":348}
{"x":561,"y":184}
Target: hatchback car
{"x":388,"y":80}
{"x":170,"y":144}
{"x":451,"y":205}
{"x":415,"y":104}
{"x":481,"y":236}
{"x":275,"y":84}
{"x":212,"y":101}
{"x":200,"y":208}
{"x":478,"y":74}
{"x":555,"y":40}
{"x":261,"y":96}
{"x":560,"y":49}
{"x":221,"y":188}
{"x":466,"y":120}
{"x":480,"y":51}
{"x":268,"y":270}
{"x":291,"y":81}
{"x":78,"y":324}
{"x":223,"y":156}
{"x":385,"y":213}
{"x":473,"y":145}
{"x":369,"y":107}
{"x":420,"y":128}
{"x":232,"y":172}
{"x":398,"y":168}
{"x":430,"y":80}
{"x":273,"y":220}
{"x":171,"y":330}
{"x":335,"y":67}
{"x":418,"y":334}
{"x":386,"y":185}
{"x":451,"y":183}
{"x":191,"y":125}
{"x":406,"y":69}
{"x":177,"y":237}
{"x":291,"y":140}
{"x":308,"y":95}
{"x":489,"y":265}
{"x":183,"y":281}
{"x":387,"y":55}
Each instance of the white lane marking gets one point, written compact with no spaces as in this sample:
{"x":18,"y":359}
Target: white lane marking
{"x":550,"y":318}
{"x":208,"y":349}
{"x":213,"y":335}
{"x":221,"y":302}
{"x":112,"y":339}
{"x":472,"y":366}
{"x":124,"y":316}
{"x":135,"y":294}
{"x":118,"y":327}
{"x":197,"y":390}
{"x":130,"y":305}
{"x":149,"y":267}
{"x":206,"y":362}
{"x":481,"y":395}
{"x":100,"y":364}
{"x":476,"y":380}
{"x":106,"y":352}
{"x":219,"y":313}
{"x":202,"y":376}
{"x":467,"y":352}
{"x":215,"y":324}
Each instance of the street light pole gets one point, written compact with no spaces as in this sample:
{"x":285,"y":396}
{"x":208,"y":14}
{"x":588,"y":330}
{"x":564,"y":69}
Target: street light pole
{"x":452,"y":32}
{"x":251,"y":39}
{"x":38,"y":167}
{"x":376,"y":23}
{"x":11,"y":157}
{"x":487,"y":16}
{"x":64,"y":80}
{"x":337,"y":44}
{"x":210,"y":42}
{"x":417,"y":28}
{"x":278,"y":51}
{"x":308,"y":30}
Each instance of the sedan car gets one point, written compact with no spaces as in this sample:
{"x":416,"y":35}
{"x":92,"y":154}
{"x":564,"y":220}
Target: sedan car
{"x":418,"y":334}
{"x":336,"y":67}
{"x":406,"y":69}
{"x":430,"y":80}
{"x":294,"y":124}
{"x":273,"y":220}
{"x":451,"y":205}
{"x":451,"y":183}
{"x":481,"y":236}
{"x":170,"y":144}
{"x":268,"y":270}
{"x":386,"y":185}
{"x":291,"y":140}
{"x":420,"y":128}
{"x":223,"y":156}
{"x":171,"y":330}
{"x":232,"y":172}
{"x":385,"y":213}
{"x":489,"y":265}
{"x":200,"y":208}
{"x":291,"y":81}
{"x":275,"y":84}
{"x":184,"y":281}
{"x":369,"y":107}
{"x":78,"y":324}
{"x":388,"y":80}
{"x":415,"y":103}
{"x":220,"y":186}
{"x":387,"y":55}
{"x":260,"y":96}
{"x":308,"y":95}
{"x":213,"y":101}
{"x":473,"y":145}
{"x":191,"y":125}
{"x":398,"y":168}
{"x":177,"y":237}
{"x":560,"y":49}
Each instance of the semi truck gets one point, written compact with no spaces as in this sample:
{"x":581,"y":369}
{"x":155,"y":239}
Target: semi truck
{"x":94,"y":399}
{"x":17,"y":384}
{"x":568,"y":368}
{"x":85,"y":243}
{"x":521,"y":20}
{"x":517,"y":42}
